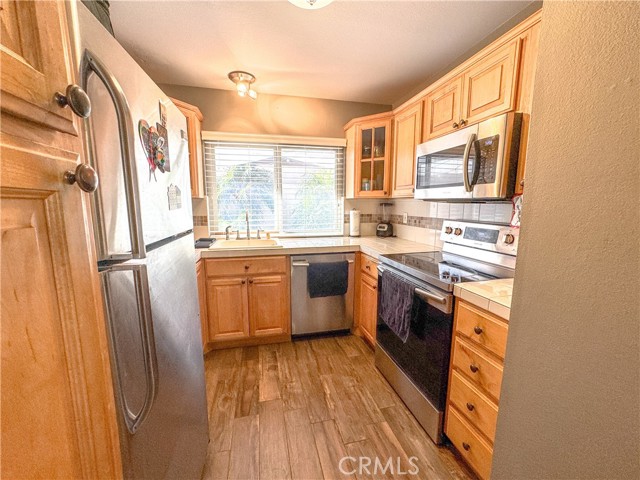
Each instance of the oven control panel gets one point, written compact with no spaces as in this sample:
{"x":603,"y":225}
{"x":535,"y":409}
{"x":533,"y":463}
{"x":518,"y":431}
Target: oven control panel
{"x":495,"y":238}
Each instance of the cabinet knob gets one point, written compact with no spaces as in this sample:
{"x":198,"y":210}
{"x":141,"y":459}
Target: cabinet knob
{"x":470,"y":406}
{"x":466,"y":446}
{"x":375,"y":287}
{"x":243,"y":282}
{"x":250,"y":280}
{"x":474,"y":368}
{"x":368,"y":267}
{"x":477,"y":330}
{"x":76,"y":99}
{"x":85,"y":177}
{"x":455,"y":125}
{"x":522,"y":182}
{"x":463,"y":122}
{"x":246,"y":267}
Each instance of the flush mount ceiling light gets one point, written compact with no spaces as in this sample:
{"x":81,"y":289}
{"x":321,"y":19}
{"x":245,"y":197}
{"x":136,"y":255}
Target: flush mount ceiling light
{"x":243,"y":81}
{"x":311,"y":4}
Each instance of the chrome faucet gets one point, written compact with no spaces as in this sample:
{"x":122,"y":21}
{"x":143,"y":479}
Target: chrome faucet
{"x":227,"y":232}
{"x":246,"y":215}
{"x":258,"y":233}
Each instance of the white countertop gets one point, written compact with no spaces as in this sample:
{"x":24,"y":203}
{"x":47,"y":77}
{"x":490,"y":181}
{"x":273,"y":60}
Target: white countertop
{"x":373,"y":246}
{"x":491,"y":295}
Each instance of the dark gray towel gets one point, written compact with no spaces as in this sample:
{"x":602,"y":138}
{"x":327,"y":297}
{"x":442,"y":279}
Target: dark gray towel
{"x":327,"y":279}
{"x":396,"y":302}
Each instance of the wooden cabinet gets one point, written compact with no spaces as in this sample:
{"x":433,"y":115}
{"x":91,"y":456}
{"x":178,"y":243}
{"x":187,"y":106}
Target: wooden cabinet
{"x":442,"y":109}
{"x":268,"y":306}
{"x":528,"y":62}
{"x":475,"y":377}
{"x":484,"y":89}
{"x":248,"y":301}
{"x":202,"y":299}
{"x":196,"y":157}
{"x":489,"y":85}
{"x":370,"y":156}
{"x":366,"y":304}
{"x":58,"y":408}
{"x":407,"y":133}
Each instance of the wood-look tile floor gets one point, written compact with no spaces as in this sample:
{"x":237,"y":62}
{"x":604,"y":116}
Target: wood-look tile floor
{"x":294,"y":410}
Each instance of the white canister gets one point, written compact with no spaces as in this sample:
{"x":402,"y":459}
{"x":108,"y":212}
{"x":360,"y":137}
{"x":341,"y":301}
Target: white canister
{"x":354,"y":223}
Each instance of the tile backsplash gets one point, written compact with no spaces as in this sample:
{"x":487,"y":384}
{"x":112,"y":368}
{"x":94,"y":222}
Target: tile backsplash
{"x":424,"y":219}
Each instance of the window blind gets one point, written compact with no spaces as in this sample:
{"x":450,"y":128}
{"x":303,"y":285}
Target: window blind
{"x":290,"y":189}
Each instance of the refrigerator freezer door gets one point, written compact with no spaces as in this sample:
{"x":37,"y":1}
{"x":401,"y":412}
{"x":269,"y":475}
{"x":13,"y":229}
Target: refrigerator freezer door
{"x":172,"y":440}
{"x":164,"y":190}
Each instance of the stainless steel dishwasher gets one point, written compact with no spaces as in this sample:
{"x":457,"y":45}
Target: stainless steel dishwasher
{"x":325,"y":314}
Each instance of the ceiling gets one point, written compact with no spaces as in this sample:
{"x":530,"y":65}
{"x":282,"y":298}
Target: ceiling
{"x":365,"y":51}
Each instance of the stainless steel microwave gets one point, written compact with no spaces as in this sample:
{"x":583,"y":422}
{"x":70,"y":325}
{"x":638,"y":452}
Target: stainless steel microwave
{"x":475,"y":163}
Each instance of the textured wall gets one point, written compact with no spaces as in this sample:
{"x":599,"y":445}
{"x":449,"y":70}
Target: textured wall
{"x":225,"y":111}
{"x":570,"y":402}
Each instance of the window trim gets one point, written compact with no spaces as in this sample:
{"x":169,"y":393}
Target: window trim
{"x":214,"y":136}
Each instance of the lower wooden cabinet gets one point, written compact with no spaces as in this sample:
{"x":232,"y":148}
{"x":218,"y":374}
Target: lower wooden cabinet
{"x":366,"y":304}
{"x":247,"y":301}
{"x":475,"y":377}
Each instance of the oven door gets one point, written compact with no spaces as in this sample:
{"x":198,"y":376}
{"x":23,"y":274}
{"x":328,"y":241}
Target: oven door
{"x":445,"y":166}
{"x":424,"y":357}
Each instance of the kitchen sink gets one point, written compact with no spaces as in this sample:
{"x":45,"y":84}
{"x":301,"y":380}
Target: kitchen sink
{"x":245,"y":244}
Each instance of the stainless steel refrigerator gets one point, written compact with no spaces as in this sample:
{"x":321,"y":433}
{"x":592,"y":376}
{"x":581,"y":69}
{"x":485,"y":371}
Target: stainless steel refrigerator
{"x":137,"y":142}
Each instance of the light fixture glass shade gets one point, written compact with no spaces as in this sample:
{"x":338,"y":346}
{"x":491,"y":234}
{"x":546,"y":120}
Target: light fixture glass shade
{"x":310,"y":4}
{"x":252,"y":94}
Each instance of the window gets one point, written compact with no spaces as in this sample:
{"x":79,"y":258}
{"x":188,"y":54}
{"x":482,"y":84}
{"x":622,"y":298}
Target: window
{"x":288,"y":189}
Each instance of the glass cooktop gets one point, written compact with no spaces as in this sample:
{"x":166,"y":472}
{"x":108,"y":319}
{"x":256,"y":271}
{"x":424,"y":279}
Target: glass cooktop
{"x":434,"y":268}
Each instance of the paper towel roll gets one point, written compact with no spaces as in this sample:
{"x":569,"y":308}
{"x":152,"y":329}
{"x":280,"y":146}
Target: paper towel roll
{"x":354,"y":223}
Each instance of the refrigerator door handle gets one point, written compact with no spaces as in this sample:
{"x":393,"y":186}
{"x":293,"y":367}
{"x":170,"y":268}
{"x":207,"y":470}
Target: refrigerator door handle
{"x":139,"y":270}
{"x":91,"y":64}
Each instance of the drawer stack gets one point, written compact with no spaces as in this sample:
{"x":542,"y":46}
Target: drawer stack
{"x":475,"y":377}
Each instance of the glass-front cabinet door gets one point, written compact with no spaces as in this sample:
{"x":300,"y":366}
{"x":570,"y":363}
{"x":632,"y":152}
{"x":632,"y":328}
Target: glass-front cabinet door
{"x":373,"y":159}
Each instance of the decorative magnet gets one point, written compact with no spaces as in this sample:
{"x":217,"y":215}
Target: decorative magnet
{"x":154,"y":147}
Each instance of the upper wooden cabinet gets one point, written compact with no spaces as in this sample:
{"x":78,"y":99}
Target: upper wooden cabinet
{"x":35,"y":56}
{"x":407,"y":128}
{"x":196,"y":159}
{"x":442,"y":109}
{"x":484,"y":89}
{"x":368,"y":156}
{"x":373,"y":158}
{"x":489,"y":86}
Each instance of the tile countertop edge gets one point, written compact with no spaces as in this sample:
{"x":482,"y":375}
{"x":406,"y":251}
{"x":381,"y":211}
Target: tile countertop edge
{"x":491,"y":295}
{"x":372,"y":246}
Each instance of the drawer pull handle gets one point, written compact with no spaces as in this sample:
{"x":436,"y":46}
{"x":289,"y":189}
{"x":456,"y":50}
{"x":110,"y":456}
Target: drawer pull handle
{"x":477,"y":330}
{"x":474,"y":368}
{"x":466,"y":446}
{"x":470,"y":406}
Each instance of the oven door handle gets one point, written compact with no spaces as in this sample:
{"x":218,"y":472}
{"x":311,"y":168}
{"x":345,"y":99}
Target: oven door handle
{"x":465,"y":174}
{"x":426,"y":295}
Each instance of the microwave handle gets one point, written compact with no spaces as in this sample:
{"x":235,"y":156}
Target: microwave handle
{"x":465,"y":173}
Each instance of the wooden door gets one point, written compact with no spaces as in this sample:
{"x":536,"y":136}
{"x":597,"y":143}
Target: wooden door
{"x":373,"y":155}
{"x":269,"y":305}
{"x":202,"y":298}
{"x":368,"y":307}
{"x":227,"y":308}
{"x":442,"y":109}
{"x":58,"y":407}
{"x":408,"y":132}
{"x":490,"y":84}
{"x":35,"y":57}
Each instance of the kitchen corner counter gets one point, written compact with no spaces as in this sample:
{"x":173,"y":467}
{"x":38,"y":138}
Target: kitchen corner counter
{"x":372,"y":246}
{"x":491,"y":295}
